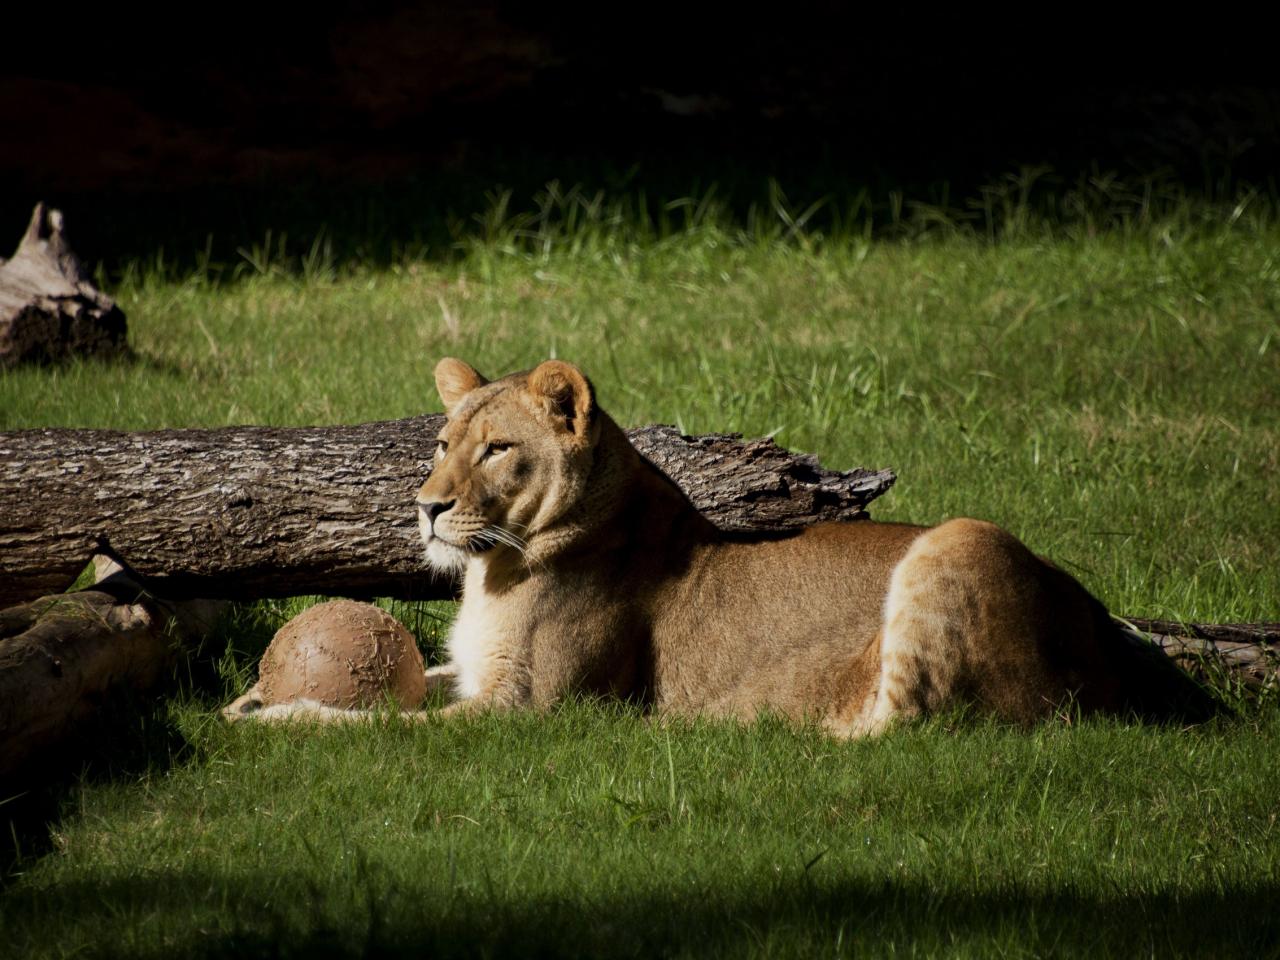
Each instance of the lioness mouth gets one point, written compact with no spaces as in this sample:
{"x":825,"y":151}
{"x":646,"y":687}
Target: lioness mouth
{"x":473,"y":544}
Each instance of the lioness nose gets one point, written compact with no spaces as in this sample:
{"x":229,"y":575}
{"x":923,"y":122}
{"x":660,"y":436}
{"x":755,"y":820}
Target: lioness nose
{"x":434,"y":508}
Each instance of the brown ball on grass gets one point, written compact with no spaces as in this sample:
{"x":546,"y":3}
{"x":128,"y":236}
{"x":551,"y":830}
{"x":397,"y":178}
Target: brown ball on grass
{"x":341,"y":654}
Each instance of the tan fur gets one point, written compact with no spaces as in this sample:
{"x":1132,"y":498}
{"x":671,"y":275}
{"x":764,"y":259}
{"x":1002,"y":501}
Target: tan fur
{"x":586,"y":571}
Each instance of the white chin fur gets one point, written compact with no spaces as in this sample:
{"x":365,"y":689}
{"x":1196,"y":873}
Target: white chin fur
{"x":445,"y":557}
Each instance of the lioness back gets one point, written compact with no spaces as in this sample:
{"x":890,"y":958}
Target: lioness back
{"x":586,"y":570}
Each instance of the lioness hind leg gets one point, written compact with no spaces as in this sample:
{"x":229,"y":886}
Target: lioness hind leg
{"x":927,"y":614}
{"x":971,"y":615}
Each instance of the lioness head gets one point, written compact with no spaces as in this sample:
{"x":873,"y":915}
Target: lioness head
{"x":513,"y":459}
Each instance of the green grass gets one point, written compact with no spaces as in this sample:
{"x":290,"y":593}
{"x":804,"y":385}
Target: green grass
{"x":1104,"y":384}
{"x":592,"y":833}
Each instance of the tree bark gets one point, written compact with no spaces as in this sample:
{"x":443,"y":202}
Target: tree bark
{"x":252,"y":512}
{"x":49,"y":308}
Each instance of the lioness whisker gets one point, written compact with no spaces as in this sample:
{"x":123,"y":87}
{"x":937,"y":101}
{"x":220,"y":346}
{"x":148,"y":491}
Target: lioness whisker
{"x":506,"y":536}
{"x":496,"y":534}
{"x":501,"y":534}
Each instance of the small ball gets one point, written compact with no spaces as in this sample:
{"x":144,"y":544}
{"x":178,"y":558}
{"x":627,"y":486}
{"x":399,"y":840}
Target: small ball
{"x":342,"y":654}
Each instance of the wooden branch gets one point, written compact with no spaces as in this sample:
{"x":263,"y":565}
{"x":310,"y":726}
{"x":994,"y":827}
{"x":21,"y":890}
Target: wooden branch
{"x":49,"y":308}
{"x":1249,"y":653}
{"x":252,"y":512}
{"x":62,"y":657}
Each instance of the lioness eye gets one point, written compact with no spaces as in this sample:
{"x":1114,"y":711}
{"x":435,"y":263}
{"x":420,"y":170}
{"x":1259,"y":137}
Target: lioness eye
{"x":495,"y":449}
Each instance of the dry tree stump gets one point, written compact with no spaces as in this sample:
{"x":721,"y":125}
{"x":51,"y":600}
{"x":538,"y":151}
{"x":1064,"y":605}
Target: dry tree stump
{"x":49,"y":308}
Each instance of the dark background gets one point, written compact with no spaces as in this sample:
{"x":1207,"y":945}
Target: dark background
{"x":155,"y":126}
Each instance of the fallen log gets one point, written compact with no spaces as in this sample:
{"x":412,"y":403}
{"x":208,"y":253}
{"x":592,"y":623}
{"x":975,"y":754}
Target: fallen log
{"x":60,"y":655}
{"x":254,"y":512}
{"x":63,"y":657}
{"x":49,"y":308}
{"x":1246,"y":653}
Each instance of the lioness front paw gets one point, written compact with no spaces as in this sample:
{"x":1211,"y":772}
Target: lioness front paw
{"x":244,"y":706}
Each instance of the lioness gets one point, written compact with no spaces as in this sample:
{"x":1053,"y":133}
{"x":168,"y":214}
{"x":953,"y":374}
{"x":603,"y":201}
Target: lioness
{"x":586,"y":570}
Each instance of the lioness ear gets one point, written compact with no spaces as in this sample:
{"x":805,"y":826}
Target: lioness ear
{"x":568,"y":391}
{"x":455,"y":379}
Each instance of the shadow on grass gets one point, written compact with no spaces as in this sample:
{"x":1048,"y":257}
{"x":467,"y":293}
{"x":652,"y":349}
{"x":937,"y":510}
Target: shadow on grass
{"x":131,"y":735}
{"x":197,"y":915}
{"x":311,"y":228}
